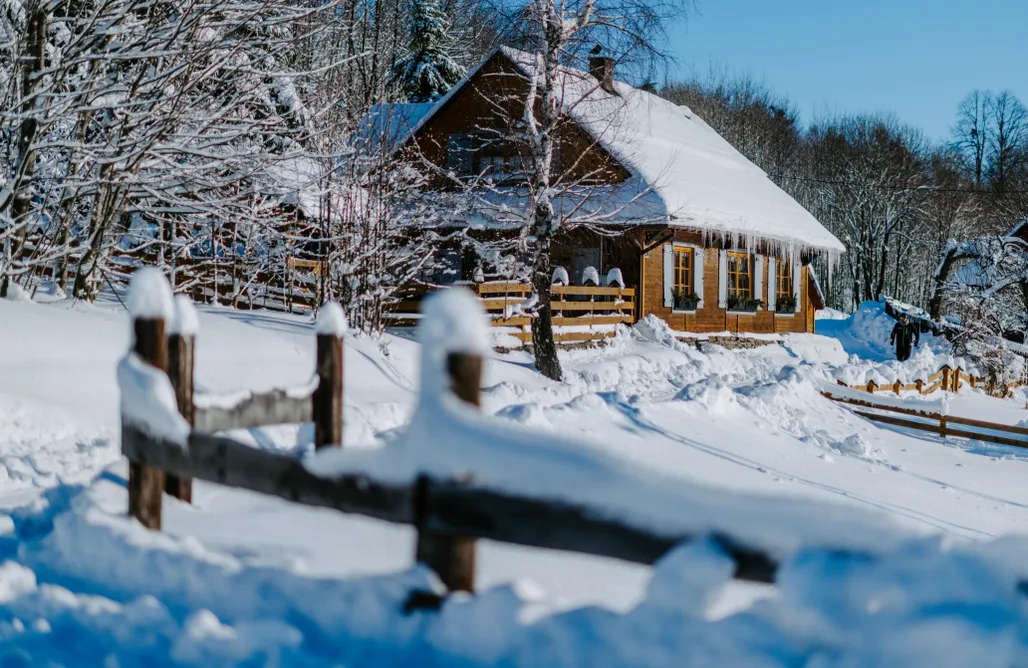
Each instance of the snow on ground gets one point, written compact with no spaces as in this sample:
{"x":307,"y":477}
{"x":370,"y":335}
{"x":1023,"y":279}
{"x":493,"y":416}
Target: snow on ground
{"x":242,"y":578}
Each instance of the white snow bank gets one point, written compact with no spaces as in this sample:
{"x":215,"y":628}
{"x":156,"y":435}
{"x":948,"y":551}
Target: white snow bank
{"x":331,"y":320}
{"x":589,"y":274}
{"x":447,"y":439}
{"x":148,"y":401}
{"x":926,"y":603}
{"x":150,"y":295}
{"x":16,"y":293}
{"x":186,"y":321}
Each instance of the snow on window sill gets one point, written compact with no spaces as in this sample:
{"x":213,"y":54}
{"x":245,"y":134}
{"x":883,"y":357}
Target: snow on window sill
{"x":744,"y":312}
{"x":677,"y":311}
{"x":779,"y":314}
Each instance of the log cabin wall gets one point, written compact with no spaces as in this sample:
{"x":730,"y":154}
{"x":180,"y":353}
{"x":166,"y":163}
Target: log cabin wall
{"x":493,"y":98}
{"x":712,"y":318}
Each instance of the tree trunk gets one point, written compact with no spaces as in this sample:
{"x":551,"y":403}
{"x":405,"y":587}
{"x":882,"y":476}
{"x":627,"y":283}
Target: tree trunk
{"x":542,"y":325}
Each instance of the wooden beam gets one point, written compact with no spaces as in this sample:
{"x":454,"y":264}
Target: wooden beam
{"x":257,"y":410}
{"x":449,"y":507}
{"x":181,"y":368}
{"x":146,"y":483}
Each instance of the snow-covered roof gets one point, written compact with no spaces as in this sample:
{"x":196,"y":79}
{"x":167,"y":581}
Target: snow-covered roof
{"x":683,"y":172}
{"x":387,"y":124}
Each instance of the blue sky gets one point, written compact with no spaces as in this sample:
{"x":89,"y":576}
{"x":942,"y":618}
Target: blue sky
{"x":916,"y":58}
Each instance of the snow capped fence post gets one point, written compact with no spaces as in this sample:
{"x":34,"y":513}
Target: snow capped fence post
{"x":328,"y":397}
{"x":151,"y":306}
{"x":181,"y":366}
{"x":454,"y":340}
{"x":946,"y":382}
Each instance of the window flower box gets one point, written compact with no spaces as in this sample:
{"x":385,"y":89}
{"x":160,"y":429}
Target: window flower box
{"x":786,"y":305}
{"x":740,"y":305}
{"x":685,"y":301}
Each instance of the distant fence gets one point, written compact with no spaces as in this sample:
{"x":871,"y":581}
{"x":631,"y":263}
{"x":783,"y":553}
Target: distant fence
{"x":937,"y":423}
{"x":580,"y":312}
{"x":948,"y":379}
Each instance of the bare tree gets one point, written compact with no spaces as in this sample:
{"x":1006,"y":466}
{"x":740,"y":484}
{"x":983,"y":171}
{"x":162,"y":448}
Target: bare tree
{"x":970,"y":134}
{"x":558,"y":34}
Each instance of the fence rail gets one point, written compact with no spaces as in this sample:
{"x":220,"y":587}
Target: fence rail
{"x":937,"y":423}
{"x":581,"y":313}
{"x":947,"y":378}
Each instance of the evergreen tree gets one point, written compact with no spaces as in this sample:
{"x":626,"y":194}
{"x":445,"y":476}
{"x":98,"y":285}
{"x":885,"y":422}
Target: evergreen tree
{"x":428,"y":71}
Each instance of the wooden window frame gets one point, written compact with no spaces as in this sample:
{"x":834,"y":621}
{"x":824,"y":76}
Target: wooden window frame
{"x":688,"y":270}
{"x":732,"y":277}
{"x":783,"y":278}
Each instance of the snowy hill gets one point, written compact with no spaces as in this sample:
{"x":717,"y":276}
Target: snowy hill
{"x":240,"y":578}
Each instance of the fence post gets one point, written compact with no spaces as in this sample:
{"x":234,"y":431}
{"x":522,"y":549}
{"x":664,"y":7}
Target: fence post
{"x":919,"y":384}
{"x":328,"y":396}
{"x":956,"y":379}
{"x":445,"y":316}
{"x":150,"y":307}
{"x":871,"y":386}
{"x":897,"y":387}
{"x":946,"y":383}
{"x":181,"y":368}
{"x":942,"y":426}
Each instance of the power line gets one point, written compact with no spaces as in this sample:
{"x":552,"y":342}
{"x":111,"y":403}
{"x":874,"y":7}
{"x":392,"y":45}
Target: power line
{"x":884,"y":186}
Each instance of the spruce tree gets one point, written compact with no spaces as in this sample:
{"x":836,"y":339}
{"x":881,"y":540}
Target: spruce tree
{"x":428,"y":71}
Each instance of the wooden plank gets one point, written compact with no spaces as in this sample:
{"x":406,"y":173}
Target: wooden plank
{"x":597,"y":291}
{"x":900,"y":422}
{"x":448,"y":507}
{"x":569,"y":337}
{"x":1002,"y":440}
{"x":988,"y":425}
{"x":561,"y":321}
{"x":869,"y":404}
{"x":226,"y":461}
{"x":502,"y":287}
{"x":591,"y":306}
{"x":257,"y":410}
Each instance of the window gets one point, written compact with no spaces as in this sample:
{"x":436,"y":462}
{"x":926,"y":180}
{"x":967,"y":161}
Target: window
{"x":459,"y":155}
{"x":683,"y":271}
{"x":783,"y":279}
{"x":483,"y":154}
{"x":740,"y":275}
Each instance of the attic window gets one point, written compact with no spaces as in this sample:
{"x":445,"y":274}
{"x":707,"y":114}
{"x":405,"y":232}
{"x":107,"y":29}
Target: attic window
{"x":460,"y":156}
{"x":475,"y":155}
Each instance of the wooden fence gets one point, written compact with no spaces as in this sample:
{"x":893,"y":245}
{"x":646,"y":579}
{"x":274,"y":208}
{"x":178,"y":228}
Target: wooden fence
{"x":449,"y":514}
{"x":948,"y":379}
{"x":937,"y":423}
{"x":581,"y":313}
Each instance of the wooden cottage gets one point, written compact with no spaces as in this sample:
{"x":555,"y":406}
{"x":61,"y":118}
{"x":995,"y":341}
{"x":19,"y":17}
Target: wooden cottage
{"x":706,"y":240}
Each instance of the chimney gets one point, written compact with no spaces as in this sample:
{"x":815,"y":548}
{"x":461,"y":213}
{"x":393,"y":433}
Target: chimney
{"x":602,"y":69}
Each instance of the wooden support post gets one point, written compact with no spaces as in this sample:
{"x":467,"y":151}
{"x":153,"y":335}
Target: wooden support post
{"x":897,"y":387}
{"x":146,"y":484}
{"x":946,"y":382}
{"x":956,"y":379}
{"x":181,"y":368}
{"x":328,"y":397}
{"x":920,"y":386}
{"x":871,"y":386}
{"x":451,"y":557}
{"x":942,"y":426}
